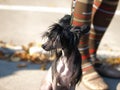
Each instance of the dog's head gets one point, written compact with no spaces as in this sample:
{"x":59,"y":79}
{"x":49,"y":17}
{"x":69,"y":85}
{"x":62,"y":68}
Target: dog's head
{"x":53,"y":37}
{"x":63,"y":35}
{"x":54,"y":33}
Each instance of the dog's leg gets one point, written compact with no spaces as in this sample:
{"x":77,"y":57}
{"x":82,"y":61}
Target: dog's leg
{"x":46,"y":86}
{"x":55,"y":81}
{"x":72,"y":87}
{"x":46,"y":83}
{"x":54,"y":84}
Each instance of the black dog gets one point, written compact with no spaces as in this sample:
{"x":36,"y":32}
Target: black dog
{"x":66,"y":71}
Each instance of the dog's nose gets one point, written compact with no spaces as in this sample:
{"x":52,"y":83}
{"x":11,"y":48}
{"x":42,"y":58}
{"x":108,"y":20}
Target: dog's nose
{"x":43,"y":46}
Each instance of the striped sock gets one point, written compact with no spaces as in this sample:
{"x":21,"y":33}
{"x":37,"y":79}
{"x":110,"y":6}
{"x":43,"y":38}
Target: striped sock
{"x":103,"y":13}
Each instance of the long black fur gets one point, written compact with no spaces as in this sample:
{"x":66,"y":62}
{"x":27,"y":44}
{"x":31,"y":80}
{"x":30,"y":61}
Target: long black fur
{"x":66,"y":37}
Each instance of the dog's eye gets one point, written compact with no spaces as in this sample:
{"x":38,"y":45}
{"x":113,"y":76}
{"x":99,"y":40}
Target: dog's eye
{"x":55,"y":40}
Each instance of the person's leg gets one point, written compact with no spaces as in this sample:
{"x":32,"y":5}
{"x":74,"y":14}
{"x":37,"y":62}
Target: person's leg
{"x":102,"y":15}
{"x":82,"y":16}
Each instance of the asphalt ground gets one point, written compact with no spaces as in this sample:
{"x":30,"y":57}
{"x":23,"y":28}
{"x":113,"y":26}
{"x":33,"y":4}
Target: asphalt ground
{"x":30,"y":77}
{"x":23,"y":25}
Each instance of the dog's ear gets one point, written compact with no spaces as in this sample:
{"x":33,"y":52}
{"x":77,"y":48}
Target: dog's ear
{"x":85,"y":29}
{"x":80,"y":30}
{"x":56,"y":27}
{"x":45,"y":34}
{"x":53,"y":30}
{"x":65,"y":20}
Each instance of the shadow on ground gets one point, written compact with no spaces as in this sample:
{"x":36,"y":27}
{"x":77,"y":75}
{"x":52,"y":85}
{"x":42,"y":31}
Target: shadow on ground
{"x":8,"y":68}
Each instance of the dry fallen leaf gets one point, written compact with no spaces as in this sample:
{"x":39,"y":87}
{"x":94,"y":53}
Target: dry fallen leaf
{"x":15,"y":59}
{"x":113,"y":61}
{"x":34,"y":53}
{"x":52,"y":57}
{"x":1,"y":54}
{"x":22,"y":65}
{"x":44,"y":57}
{"x":43,"y":66}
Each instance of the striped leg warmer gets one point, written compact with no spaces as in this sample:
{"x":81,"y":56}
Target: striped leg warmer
{"x":102,"y":15}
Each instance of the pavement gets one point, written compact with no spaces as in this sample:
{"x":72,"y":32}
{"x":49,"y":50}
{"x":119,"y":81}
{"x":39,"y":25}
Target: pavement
{"x":30,"y":77}
{"x":23,"y":25}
